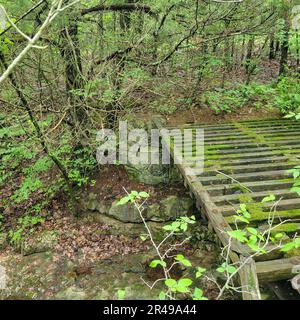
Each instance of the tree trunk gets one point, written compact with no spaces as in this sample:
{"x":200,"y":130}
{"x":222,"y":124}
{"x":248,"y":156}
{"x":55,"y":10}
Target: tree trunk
{"x":285,"y":46}
{"x":248,"y":63}
{"x":70,"y":51}
{"x":272,"y":52}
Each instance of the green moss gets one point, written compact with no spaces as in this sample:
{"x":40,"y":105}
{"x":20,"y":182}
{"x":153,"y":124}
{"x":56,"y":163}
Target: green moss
{"x":259,"y":138}
{"x":292,"y":253}
{"x":287,"y":227}
{"x":259,"y":215}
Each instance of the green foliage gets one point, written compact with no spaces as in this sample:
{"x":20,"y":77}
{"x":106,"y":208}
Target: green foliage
{"x":180,"y":225}
{"x":176,"y":228}
{"x":121,"y":294}
{"x":295,"y":244}
{"x":26,"y":225}
{"x":180,"y":286}
{"x":251,"y":236}
{"x":224,"y":101}
{"x":132,"y":197}
{"x":287,"y":97}
{"x":227,"y":268}
{"x":227,"y":101}
{"x":22,"y":157}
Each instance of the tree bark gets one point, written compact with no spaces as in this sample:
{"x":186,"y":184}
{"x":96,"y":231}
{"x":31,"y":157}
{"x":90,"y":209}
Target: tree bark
{"x":272,"y":52}
{"x":285,"y":45}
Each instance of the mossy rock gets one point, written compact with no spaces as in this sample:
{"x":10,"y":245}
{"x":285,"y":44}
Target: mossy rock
{"x":125,"y":213}
{"x":165,"y":210}
{"x":46,"y":241}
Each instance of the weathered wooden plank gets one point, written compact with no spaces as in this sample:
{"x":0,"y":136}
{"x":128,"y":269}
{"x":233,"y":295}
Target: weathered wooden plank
{"x":288,"y":227}
{"x":263,"y":216}
{"x":265,"y":209}
{"x":236,"y":162}
{"x":243,"y":155}
{"x":255,"y":196}
{"x":275,"y":270}
{"x":249,"y":279}
{"x":248,"y":168}
{"x":245,"y":177}
{"x":227,"y":189}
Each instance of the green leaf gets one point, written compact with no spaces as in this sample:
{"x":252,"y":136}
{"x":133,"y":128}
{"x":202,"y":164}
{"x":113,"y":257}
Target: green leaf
{"x":121,"y":294}
{"x":288,"y":246}
{"x":162,"y":296}
{"x":199,"y":272}
{"x":179,"y":257}
{"x":270,"y":198}
{"x":252,"y":231}
{"x":231,"y":269}
{"x":198,"y":293}
{"x":185,"y":282}
{"x":296,"y":190}
{"x":123,"y":201}
{"x":155,"y":263}
{"x":144,"y":194}
{"x":170,"y":283}
{"x":242,"y":219}
{"x":186,"y":263}
{"x":143,"y":238}
{"x":221,"y":269}
{"x":238,"y":234}
{"x":279,"y":235}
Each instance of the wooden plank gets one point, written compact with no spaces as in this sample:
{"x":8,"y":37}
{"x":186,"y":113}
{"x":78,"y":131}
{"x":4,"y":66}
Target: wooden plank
{"x":251,"y":168}
{"x":288,"y":227}
{"x":253,"y":186}
{"x":249,"y":280}
{"x":275,"y":270}
{"x":236,"y":162}
{"x":265,"y":209}
{"x":255,"y":196}
{"x":245,"y":177}
{"x":232,"y":151}
{"x":262,"y":216}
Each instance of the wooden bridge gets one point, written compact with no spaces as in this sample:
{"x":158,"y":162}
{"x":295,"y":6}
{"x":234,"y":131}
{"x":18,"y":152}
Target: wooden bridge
{"x":244,"y":162}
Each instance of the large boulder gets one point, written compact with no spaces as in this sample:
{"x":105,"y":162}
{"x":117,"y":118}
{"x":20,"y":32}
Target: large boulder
{"x":164,"y":210}
{"x":124,"y":213}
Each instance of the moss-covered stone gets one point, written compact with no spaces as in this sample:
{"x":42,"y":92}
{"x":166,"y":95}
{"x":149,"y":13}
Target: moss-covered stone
{"x":42,"y":243}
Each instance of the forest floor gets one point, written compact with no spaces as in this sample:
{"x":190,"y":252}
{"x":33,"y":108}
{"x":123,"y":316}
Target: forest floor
{"x":76,"y":258}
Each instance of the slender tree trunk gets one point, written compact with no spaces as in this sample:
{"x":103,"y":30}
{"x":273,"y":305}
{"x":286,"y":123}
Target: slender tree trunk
{"x":285,"y":46}
{"x":297,"y":49}
{"x":226,"y":54}
{"x":243,"y":50}
{"x":248,"y":63}
{"x":272,"y":52}
{"x":125,"y":18}
{"x":71,"y":54}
